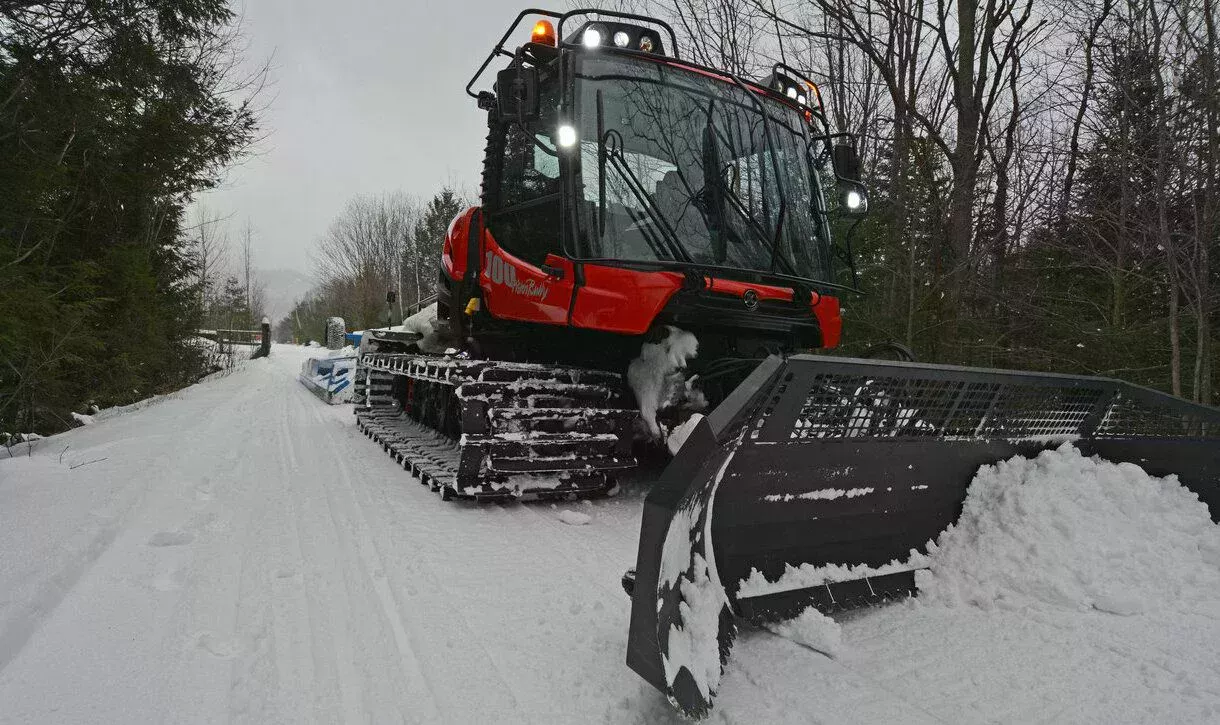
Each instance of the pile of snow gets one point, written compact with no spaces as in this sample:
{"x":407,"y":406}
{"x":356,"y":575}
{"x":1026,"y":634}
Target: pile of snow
{"x":656,"y":375}
{"x":1065,"y":531}
{"x":422,"y":322}
{"x":1061,"y":531}
{"x":814,"y":630}
{"x":13,"y":439}
{"x":345,"y":351}
{"x":574,"y":518}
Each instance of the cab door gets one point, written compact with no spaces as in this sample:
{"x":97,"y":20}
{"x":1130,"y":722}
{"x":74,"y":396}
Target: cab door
{"x":514,"y":289}
{"x":524,"y":275}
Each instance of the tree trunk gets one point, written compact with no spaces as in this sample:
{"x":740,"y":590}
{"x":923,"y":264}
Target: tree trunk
{"x":961,"y":196}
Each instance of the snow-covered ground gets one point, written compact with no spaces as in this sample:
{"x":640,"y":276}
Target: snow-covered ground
{"x":239,"y":552}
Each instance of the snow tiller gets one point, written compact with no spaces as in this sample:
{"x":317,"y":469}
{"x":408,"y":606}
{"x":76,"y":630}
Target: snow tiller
{"x":635,"y":207}
{"x":633,"y":203}
{"x":812,"y":482}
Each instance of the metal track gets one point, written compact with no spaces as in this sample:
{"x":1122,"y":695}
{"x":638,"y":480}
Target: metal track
{"x":492,"y":430}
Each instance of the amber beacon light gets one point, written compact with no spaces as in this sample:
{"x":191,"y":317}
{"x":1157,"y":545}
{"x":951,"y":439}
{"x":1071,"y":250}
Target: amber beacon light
{"x":543,"y":33}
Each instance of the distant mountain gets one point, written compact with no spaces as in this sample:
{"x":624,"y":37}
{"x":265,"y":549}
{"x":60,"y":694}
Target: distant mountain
{"x":284,"y":287}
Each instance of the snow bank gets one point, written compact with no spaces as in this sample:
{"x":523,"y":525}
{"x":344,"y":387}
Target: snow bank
{"x":1065,"y":531}
{"x":655,"y":376}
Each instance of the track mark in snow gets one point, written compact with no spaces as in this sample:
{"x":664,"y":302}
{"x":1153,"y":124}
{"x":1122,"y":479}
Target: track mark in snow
{"x":416,"y":685}
{"x":170,"y":581}
{"x":171,"y":538}
{"x":219,"y":647}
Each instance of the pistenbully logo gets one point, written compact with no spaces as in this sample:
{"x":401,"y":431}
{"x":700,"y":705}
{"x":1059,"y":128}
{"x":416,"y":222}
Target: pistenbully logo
{"x":502,"y":272}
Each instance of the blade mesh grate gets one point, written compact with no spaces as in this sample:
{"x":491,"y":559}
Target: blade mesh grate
{"x":1019,"y":408}
{"x":1131,"y":417}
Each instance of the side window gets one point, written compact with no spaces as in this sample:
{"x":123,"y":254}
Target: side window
{"x":527,"y":222}
{"x":530,"y":169}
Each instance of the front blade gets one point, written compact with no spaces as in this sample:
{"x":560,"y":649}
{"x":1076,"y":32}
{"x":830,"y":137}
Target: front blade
{"x":817,"y":480}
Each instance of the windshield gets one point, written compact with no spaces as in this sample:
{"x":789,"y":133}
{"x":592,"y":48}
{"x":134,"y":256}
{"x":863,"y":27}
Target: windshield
{"x":685,"y":172}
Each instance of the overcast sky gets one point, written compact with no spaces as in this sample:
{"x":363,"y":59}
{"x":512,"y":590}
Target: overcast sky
{"x":366,"y":96}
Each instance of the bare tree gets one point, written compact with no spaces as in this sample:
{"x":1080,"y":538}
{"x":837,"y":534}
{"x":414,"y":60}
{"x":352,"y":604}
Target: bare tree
{"x":247,"y":264}
{"x":210,"y":249}
{"x":363,"y":252}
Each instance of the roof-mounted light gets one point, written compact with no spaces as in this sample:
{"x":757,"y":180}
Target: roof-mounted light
{"x":543,"y":33}
{"x":592,"y":37}
{"x":613,"y":35}
{"x":803,"y":92}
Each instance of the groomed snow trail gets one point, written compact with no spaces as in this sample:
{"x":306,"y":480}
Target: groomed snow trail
{"x":238,"y":552}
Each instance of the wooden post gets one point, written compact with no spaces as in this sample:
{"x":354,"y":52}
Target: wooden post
{"x":264,"y":348}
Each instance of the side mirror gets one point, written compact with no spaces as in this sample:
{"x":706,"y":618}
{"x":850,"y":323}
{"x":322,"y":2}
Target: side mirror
{"x":846,"y":161}
{"x":517,"y":93}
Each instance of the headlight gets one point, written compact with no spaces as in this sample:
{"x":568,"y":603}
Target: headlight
{"x":621,"y":39}
{"x":592,"y":37}
{"x":855,"y":200}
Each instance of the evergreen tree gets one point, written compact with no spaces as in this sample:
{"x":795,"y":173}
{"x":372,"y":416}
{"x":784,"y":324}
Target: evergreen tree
{"x":114,"y":115}
{"x":421,"y":261}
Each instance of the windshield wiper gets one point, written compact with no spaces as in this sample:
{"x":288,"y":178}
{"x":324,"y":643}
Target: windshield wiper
{"x":779,"y":186}
{"x":724,"y":192}
{"x":614,"y":155}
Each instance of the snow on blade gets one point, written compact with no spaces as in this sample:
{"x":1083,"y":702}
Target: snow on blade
{"x":826,"y":494}
{"x":808,"y":575}
{"x":695,"y":645}
{"x":679,"y":434}
{"x":654,"y":376}
{"x":1066,"y":531}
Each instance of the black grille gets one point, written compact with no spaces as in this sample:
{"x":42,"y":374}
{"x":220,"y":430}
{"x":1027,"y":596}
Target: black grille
{"x":858,"y":399}
{"x":1149,"y":417}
